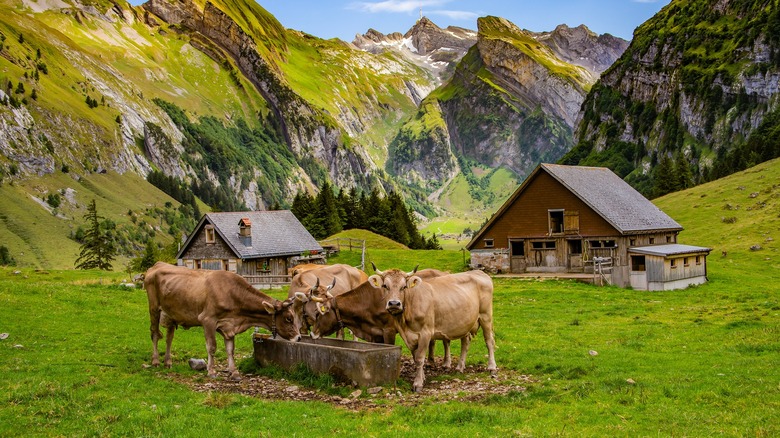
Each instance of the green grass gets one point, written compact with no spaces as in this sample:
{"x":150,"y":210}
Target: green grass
{"x":373,"y":240}
{"x":703,"y":362}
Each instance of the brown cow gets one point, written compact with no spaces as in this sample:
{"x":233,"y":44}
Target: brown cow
{"x":220,"y":301}
{"x":450,"y":307}
{"x":297,"y":269}
{"x":363,"y":311}
{"x":333,"y":279}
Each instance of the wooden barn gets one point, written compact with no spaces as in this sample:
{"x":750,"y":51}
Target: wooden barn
{"x":250,"y":243}
{"x":575,"y":219}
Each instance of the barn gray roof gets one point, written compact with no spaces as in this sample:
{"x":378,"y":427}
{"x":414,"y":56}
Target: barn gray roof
{"x":274,"y":233}
{"x":612,"y":198}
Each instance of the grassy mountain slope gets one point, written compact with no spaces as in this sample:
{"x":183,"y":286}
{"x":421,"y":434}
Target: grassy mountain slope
{"x":38,"y":235}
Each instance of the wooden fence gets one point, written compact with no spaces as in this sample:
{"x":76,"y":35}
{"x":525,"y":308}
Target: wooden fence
{"x":268,"y":281}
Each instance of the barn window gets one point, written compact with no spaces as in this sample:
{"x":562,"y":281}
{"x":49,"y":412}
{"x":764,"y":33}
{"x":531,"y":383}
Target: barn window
{"x":517,"y":247}
{"x":685,"y":261}
{"x":652,"y":240}
{"x":555,"y":221}
{"x":673,"y":263}
{"x":545,"y":244}
{"x":638,"y":263}
{"x":488,"y":243}
{"x":632,"y":242}
{"x":668,"y":239}
{"x":698,"y":260}
{"x":210,"y":234}
{"x":575,"y":246}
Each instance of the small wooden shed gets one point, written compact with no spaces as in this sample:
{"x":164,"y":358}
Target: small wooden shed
{"x":667,"y":267}
{"x":249,"y":243}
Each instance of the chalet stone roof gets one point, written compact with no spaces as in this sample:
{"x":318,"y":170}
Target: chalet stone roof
{"x":612,"y":198}
{"x":669,"y":250}
{"x":274,"y":233}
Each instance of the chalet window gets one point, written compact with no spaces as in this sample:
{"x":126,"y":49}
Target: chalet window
{"x":673,"y":263}
{"x":517,"y":247}
{"x":652,"y":240}
{"x":668,"y":239}
{"x":575,"y":246}
{"x":602,"y":243}
{"x":632,"y":242}
{"x":210,"y":234}
{"x":685,"y":261}
{"x":555,"y":221}
{"x":638,"y":263}
{"x":545,"y":244}
{"x":698,"y":260}
{"x":488,"y":243}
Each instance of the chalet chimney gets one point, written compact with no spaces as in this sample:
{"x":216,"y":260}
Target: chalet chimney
{"x":245,"y":227}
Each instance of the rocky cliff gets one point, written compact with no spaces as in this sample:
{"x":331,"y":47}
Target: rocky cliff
{"x":682,"y":103}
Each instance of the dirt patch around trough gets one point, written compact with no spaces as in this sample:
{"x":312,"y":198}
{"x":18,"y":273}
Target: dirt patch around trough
{"x":441,"y":385}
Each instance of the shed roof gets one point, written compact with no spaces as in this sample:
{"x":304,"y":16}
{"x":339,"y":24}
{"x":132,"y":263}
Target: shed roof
{"x":669,"y":250}
{"x":606,"y":193}
{"x":274,"y":233}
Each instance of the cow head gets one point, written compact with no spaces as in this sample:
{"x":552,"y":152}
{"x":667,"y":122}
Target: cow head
{"x":323,"y":318}
{"x":285,"y":320}
{"x":394,"y":284}
{"x":317,"y":294}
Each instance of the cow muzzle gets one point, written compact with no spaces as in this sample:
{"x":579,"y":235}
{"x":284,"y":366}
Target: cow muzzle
{"x":394,"y":307}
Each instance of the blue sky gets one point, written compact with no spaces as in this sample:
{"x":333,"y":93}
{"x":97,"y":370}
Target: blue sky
{"x":345,"y":18}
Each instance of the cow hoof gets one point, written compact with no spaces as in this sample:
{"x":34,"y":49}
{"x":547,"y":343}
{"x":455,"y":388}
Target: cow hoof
{"x":494,"y":374}
{"x":212,"y":375}
{"x":235,"y":377}
{"x":416,"y":388}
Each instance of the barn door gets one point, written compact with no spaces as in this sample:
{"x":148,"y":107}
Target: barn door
{"x":571,"y":222}
{"x":517,"y":256}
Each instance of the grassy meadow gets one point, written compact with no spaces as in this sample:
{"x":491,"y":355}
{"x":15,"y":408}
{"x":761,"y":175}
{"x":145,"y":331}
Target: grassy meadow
{"x":603,"y":361}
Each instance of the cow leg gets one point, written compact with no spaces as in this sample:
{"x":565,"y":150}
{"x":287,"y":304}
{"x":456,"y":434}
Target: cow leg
{"x":171,"y":330}
{"x":486,"y":321}
{"x":229,"y":347}
{"x":447,"y":357}
{"x":431,"y":351}
{"x":211,"y":347}
{"x":154,"y":328}
{"x":419,"y":361}
{"x":464,"y":349}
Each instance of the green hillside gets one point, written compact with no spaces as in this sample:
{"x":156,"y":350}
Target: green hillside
{"x":373,"y":240}
{"x":732,"y":214}
{"x":38,"y":235}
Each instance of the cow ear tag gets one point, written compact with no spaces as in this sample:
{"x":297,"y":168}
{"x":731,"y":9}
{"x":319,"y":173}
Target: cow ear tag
{"x":323,"y":309}
{"x":414,"y":282}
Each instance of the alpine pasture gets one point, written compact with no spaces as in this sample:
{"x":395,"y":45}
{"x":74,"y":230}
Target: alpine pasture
{"x":604,"y":361}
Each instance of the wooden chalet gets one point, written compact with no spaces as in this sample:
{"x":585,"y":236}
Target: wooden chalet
{"x":575,"y":219}
{"x":253,"y":244}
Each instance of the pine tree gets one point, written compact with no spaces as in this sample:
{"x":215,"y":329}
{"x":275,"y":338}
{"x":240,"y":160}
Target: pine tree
{"x":682,"y":170}
{"x":97,"y":251}
{"x":664,"y":176}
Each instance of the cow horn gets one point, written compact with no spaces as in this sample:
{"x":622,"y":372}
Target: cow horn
{"x":332,"y":285}
{"x":409,"y":274}
{"x":377,"y":270}
{"x":316,"y":285}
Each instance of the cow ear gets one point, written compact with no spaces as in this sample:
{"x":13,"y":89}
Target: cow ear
{"x":269,"y":307}
{"x":300,"y":296}
{"x":375,"y":281}
{"x":413,"y":282}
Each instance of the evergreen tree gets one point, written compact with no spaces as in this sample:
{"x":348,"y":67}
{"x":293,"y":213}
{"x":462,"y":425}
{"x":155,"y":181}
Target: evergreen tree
{"x":664,"y":176}
{"x":682,"y":170}
{"x":327,"y":220}
{"x":97,"y":251}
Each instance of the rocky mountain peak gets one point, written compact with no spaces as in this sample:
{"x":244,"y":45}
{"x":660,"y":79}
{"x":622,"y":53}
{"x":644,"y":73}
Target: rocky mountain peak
{"x":581,"y":46}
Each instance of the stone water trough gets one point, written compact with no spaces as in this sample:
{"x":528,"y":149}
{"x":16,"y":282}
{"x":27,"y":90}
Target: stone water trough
{"x":364,"y":363}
